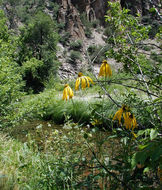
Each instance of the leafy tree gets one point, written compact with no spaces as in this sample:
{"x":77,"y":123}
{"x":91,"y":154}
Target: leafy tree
{"x":126,"y":44}
{"x":39,"y":39}
{"x":143,"y":155}
{"x":10,"y":73}
{"x":3,"y":29}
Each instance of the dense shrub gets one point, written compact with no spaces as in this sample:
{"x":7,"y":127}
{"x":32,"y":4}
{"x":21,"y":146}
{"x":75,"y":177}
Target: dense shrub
{"x":76,"y":45}
{"x":74,"y":56}
{"x":64,"y":40}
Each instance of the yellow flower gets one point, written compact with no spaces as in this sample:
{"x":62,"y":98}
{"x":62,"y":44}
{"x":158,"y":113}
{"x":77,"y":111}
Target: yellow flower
{"x":105,"y":69}
{"x":118,"y":114}
{"x":129,"y":120}
{"x":83,"y":80}
{"x":67,"y":92}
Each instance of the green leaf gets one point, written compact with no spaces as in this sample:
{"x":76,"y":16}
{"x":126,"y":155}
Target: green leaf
{"x":153,"y":134}
{"x":141,"y":147}
{"x":146,"y":170}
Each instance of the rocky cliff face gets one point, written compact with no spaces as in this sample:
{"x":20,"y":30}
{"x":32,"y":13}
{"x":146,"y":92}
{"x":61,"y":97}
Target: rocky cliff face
{"x":141,"y":6}
{"x":70,"y":10}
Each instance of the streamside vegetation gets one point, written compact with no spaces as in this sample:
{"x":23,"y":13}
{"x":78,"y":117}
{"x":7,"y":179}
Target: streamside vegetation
{"x":109,"y":132}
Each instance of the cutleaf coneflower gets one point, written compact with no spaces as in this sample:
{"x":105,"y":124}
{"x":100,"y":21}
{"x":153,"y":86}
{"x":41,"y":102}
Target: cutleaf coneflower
{"x":67,"y":92}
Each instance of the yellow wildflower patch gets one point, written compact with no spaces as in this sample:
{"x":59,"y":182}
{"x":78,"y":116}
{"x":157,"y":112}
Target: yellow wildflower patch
{"x":67,"y":92}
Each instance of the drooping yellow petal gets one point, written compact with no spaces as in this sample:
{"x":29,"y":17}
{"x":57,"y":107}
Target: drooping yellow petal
{"x":67,"y":92}
{"x":87,"y":81}
{"x":105,"y":69}
{"x":83,"y":82}
{"x":118,"y":115}
{"x":70,"y":93}
{"x":90,"y":79}
{"x":108,"y":70}
{"x":77,"y":83}
{"x":101,"y":72}
{"x":134,"y":123}
{"x":127,"y":120}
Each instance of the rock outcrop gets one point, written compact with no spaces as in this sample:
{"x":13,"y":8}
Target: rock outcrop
{"x":70,"y":10}
{"x":69,"y":15}
{"x":141,"y":6}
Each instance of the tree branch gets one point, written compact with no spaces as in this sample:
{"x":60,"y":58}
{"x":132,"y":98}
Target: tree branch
{"x":109,"y":172}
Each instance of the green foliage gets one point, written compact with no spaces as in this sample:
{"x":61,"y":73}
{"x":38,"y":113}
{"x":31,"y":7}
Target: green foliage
{"x":156,"y":57}
{"x":74,"y":56}
{"x":87,"y":24}
{"x":3,"y":27}
{"x":32,"y":66}
{"x":92,"y":49}
{"x":93,"y":52}
{"x":108,"y":31}
{"x":39,"y":40}
{"x":88,"y":32}
{"x":10,"y":85}
{"x":54,"y":167}
{"x":76,"y":45}
{"x":127,"y":34}
{"x":149,"y":151}
{"x":10,"y":73}
{"x":47,"y":106}
{"x":64,"y":40}
{"x":95,"y":23}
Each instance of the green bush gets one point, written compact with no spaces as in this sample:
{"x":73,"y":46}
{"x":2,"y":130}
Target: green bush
{"x":76,"y":45}
{"x":74,"y":56}
{"x":156,"y":57}
{"x":38,"y":40}
{"x":64,"y":40}
{"x":11,"y":83}
{"x":95,"y":23}
{"x":92,"y":49}
{"x":87,"y":24}
{"x":108,"y":31}
{"x":88,"y":32}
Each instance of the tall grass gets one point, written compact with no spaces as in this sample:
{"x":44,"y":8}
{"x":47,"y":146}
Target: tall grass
{"x":52,"y":168}
{"x":50,"y":106}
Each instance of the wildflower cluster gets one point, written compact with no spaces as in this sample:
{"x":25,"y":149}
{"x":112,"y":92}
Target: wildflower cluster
{"x":84,"y":81}
{"x":129,"y":118}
